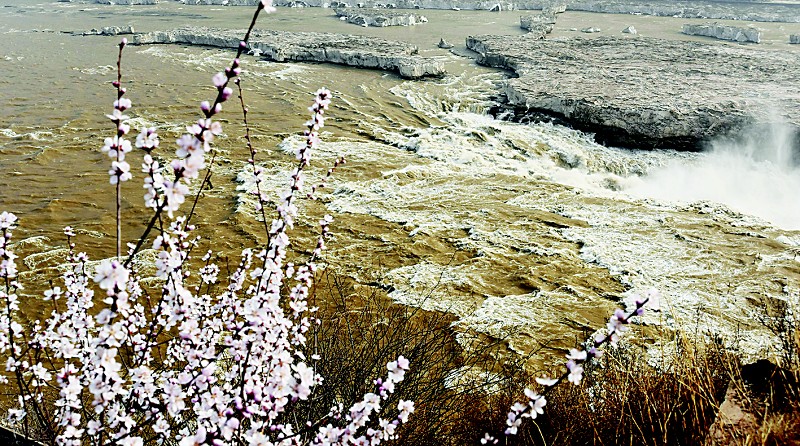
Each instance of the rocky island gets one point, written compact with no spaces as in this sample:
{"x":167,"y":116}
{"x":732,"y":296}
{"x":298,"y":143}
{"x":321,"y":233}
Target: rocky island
{"x":380,"y":18}
{"x":733,"y":33}
{"x":645,"y":92}
{"x":538,"y":24}
{"x":282,"y":46}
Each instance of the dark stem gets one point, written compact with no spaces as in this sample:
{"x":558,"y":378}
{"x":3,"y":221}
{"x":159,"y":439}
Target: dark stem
{"x":252,"y":159}
{"x":147,"y":230}
{"x":206,"y":180}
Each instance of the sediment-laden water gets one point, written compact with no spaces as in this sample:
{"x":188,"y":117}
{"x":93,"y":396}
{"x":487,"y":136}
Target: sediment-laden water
{"x":531,"y":232}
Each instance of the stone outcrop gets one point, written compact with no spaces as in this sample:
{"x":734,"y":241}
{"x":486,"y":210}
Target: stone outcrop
{"x":644,"y":92}
{"x":590,"y":30}
{"x":479,"y":5}
{"x":724,"y":32}
{"x":445,"y":45}
{"x":380,"y":18}
{"x":291,"y":3}
{"x":693,"y":9}
{"x":630,"y":30}
{"x":126,"y":2}
{"x":110,"y":31}
{"x":794,"y":38}
{"x":553,"y":9}
{"x":538,"y":24}
{"x":281,"y":46}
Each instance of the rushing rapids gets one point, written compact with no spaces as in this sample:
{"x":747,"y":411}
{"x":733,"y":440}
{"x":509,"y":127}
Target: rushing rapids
{"x":533,"y":233}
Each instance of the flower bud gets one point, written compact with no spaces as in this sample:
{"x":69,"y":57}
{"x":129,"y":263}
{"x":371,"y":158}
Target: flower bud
{"x":226,"y":93}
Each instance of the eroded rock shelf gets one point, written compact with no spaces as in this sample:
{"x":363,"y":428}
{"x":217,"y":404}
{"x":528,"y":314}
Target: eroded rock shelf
{"x":646,"y":92}
{"x":281,"y":46}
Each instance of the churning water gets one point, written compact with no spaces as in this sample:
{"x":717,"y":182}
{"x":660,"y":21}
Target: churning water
{"x":755,"y":172}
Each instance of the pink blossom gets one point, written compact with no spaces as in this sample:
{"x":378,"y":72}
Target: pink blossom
{"x":110,"y":274}
{"x":7,"y":220}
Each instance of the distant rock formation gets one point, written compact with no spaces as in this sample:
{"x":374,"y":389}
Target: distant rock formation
{"x":553,"y":9}
{"x":126,"y":2}
{"x":734,"y":10}
{"x":794,"y":38}
{"x":110,"y":31}
{"x":693,"y":9}
{"x":130,"y":2}
{"x":379,"y":18}
{"x":443,"y":44}
{"x":282,"y":46}
{"x":590,"y":30}
{"x":539,"y":24}
{"x":724,"y":32}
{"x":630,"y":30}
{"x":644,"y":92}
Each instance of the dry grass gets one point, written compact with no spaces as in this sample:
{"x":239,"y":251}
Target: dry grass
{"x":623,"y":401}
{"x":361,"y":330}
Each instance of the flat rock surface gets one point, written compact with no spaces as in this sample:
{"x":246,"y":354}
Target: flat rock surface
{"x":647,"y":92}
{"x":723,"y":32}
{"x":380,"y":17}
{"x":732,"y":10}
{"x":282,"y":46}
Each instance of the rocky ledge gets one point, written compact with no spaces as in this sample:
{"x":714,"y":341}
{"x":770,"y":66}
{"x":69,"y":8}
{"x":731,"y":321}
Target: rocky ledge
{"x":724,"y":32}
{"x":379,"y":18}
{"x":645,"y":92}
{"x":754,"y":11}
{"x":281,"y":46}
{"x":539,"y":24}
{"x":109,"y":31}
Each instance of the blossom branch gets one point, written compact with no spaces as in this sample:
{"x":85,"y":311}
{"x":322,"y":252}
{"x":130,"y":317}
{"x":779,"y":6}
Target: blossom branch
{"x":617,"y":325}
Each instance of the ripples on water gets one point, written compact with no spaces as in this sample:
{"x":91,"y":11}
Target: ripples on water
{"x":530,"y":230}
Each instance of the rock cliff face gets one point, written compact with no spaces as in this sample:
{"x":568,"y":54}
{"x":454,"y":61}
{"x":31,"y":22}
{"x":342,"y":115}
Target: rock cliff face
{"x":723,"y":32}
{"x":280,"y":46}
{"x":644,"y":92}
{"x":379,"y":17}
{"x":538,"y":24}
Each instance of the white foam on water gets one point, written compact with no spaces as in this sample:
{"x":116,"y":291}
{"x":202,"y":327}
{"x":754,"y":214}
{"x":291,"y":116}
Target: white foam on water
{"x":447,"y":181}
{"x":755,"y":174}
{"x":285,"y":71}
{"x":35,"y":136}
{"x":198,"y":58}
{"x":103,"y":70}
{"x":704,"y":291}
{"x":430,"y":287}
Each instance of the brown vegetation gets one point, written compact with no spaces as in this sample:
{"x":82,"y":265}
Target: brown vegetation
{"x":622,"y":401}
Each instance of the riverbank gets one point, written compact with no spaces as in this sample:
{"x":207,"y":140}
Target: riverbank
{"x":646,"y":92}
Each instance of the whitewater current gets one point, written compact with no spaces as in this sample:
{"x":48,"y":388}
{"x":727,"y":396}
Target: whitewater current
{"x":529,"y":233}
